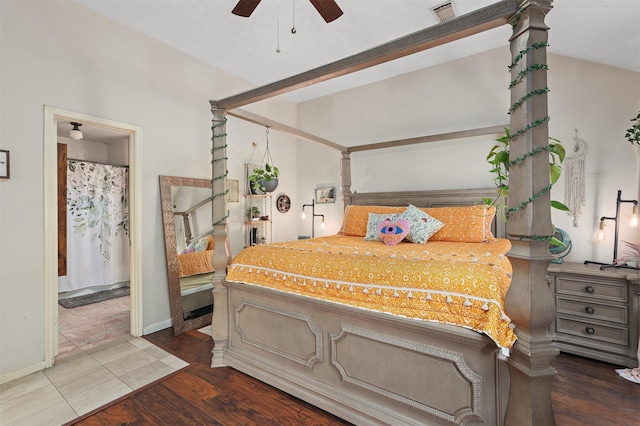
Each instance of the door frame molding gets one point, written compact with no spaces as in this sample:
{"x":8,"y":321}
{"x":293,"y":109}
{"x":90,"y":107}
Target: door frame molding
{"x":51,"y":117}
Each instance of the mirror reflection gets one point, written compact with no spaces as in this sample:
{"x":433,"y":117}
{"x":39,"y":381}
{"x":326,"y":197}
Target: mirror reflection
{"x":186,"y":212}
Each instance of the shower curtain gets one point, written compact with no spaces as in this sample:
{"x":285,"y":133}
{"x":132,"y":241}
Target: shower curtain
{"x":97,"y":225}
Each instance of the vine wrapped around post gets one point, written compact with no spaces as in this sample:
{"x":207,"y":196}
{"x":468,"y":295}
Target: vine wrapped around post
{"x":219,"y":216}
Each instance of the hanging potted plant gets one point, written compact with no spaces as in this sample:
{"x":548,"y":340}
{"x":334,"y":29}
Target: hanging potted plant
{"x":264,"y":179}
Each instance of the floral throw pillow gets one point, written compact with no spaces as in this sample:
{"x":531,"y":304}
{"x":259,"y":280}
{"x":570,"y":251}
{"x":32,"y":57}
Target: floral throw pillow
{"x":199,"y":245}
{"x":373,"y":222}
{"x":422,"y":226}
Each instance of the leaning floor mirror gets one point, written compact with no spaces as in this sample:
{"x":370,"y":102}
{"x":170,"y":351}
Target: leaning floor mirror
{"x":186,"y":216}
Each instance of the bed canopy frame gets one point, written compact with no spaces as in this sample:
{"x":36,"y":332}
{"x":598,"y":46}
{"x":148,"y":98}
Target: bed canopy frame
{"x":528,"y":302}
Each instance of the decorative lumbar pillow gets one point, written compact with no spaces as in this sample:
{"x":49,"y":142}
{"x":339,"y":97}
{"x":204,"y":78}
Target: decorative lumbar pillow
{"x":199,"y":245}
{"x":422,"y":225}
{"x":374,"y":221}
{"x":356,"y":218}
{"x":470,"y":224}
{"x":392,"y":232}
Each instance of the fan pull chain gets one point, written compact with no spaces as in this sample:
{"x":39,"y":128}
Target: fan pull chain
{"x":278,"y":29}
{"x":293,"y":28}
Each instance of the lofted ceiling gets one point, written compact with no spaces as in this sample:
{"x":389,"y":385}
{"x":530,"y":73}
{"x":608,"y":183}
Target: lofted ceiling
{"x":601,"y":31}
{"x":262,"y":48}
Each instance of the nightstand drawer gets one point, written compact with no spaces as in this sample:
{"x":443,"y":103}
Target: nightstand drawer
{"x":593,"y":331}
{"x":604,"y":291}
{"x":590,"y":310}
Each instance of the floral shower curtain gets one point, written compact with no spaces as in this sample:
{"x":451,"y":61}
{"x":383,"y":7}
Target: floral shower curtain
{"x":97,"y":225}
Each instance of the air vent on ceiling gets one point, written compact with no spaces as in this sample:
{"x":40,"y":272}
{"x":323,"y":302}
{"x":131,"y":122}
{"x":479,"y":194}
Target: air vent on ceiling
{"x":444,"y":11}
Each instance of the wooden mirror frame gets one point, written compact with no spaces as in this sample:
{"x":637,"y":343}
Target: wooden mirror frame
{"x":180,"y":324}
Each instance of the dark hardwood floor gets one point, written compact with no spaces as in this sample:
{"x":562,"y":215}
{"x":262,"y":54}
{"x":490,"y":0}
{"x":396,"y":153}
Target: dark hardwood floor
{"x":585,"y":392}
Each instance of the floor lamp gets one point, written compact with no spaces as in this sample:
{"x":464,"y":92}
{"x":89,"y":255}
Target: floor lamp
{"x":601,"y":236}
{"x":313,"y":216}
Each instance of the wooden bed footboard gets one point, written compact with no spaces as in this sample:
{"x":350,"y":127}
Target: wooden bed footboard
{"x":365,"y":367}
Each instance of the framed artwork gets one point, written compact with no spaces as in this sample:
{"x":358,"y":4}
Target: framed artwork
{"x":233,"y":187}
{"x":4,"y":164}
{"x":326,"y":194}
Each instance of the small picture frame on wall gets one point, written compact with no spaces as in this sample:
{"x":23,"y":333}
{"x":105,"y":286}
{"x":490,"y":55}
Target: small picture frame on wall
{"x":4,"y":164}
{"x":325,"y":194}
{"x":233,"y":190}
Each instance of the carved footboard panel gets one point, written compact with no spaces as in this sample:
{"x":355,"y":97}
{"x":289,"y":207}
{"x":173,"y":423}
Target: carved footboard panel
{"x":365,"y":367}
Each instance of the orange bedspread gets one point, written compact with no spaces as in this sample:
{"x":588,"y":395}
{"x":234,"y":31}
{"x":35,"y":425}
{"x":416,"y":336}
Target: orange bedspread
{"x":195,"y":263}
{"x":454,"y":283}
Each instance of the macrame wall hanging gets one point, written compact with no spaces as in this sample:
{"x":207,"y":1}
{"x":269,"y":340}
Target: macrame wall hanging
{"x":574,"y":193}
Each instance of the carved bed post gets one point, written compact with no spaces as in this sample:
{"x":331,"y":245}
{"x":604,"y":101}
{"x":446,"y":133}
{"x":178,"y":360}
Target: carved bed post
{"x":345,"y":171}
{"x":529,"y":302}
{"x":221,"y":252}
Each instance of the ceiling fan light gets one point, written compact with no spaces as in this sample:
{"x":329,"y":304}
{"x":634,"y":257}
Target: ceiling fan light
{"x":75,"y":133}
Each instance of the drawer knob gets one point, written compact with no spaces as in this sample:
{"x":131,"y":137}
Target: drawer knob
{"x":590,"y":330}
{"x":589,"y":289}
{"x":589,"y":309}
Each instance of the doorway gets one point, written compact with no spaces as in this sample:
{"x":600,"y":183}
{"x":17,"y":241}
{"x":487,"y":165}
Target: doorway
{"x":52,"y":118}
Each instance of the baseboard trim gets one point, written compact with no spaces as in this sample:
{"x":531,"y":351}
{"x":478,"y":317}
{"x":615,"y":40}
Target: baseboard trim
{"x":22,"y":372}
{"x":156,"y":327}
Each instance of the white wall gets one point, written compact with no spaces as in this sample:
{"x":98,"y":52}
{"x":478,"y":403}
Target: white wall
{"x":470,"y":93}
{"x":114,"y":153}
{"x":318,"y":166}
{"x":65,"y":56}
{"x":62,"y":55}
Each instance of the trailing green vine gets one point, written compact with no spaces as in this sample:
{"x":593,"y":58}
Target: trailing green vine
{"x":633,"y":133}
{"x":498,"y":157}
{"x":215,"y":148}
{"x":499,"y":160}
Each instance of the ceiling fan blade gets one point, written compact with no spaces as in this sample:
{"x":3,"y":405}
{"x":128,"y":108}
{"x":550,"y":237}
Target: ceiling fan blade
{"x":328,"y":9}
{"x":245,"y":7}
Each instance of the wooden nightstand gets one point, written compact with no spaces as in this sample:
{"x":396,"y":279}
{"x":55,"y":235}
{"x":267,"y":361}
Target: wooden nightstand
{"x":596,"y":312}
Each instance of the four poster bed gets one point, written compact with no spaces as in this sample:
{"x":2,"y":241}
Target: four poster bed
{"x":415,"y":333}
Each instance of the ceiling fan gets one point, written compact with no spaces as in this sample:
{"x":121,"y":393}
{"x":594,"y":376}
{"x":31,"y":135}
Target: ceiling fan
{"x":328,"y":9}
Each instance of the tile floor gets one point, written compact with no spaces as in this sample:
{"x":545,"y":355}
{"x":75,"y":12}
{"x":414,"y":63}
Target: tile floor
{"x":109,"y":320}
{"x":97,"y":364}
